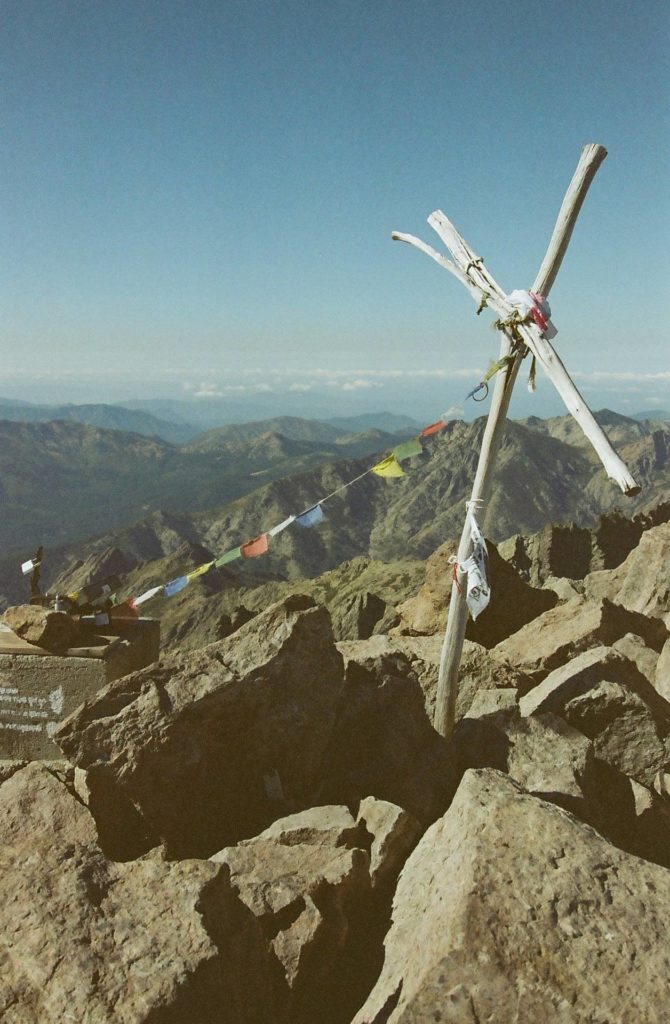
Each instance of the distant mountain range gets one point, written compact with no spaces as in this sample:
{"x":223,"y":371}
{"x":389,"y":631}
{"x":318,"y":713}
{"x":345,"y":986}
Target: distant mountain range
{"x":61,"y":481}
{"x":182,"y":421}
{"x":109,"y":417}
{"x":204,"y":498}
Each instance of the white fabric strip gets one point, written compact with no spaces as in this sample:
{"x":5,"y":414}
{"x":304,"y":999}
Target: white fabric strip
{"x":146,"y":596}
{"x":282,"y":526}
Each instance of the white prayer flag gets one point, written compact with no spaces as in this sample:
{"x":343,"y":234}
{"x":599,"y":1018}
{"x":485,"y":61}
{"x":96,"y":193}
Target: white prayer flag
{"x":146,"y":596}
{"x":28,"y":566}
{"x":282,"y":526}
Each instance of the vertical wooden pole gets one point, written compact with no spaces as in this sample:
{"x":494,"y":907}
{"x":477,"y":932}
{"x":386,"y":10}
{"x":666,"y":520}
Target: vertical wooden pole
{"x":447,"y":688}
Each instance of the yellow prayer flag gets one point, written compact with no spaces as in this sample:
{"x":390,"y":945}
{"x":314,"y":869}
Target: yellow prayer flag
{"x":388,"y":467}
{"x":200,"y":571}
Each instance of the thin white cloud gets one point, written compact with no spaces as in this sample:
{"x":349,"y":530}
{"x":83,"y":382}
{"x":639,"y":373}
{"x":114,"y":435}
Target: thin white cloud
{"x":208,"y":393}
{"x":359,"y":384}
{"x":625,"y":376}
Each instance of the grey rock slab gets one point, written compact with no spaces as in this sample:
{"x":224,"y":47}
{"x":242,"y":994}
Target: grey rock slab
{"x":622,"y":727}
{"x":564,"y":588}
{"x":634,"y":648}
{"x":585,"y":671}
{"x":641,"y":583}
{"x":543,"y":753}
{"x":511,"y":910}
{"x":395,"y":833}
{"x":329,"y":825}
{"x":191,"y":741}
{"x":303,"y":897}
{"x":560,"y":634}
{"x":607,"y":698}
{"x":491,"y":702}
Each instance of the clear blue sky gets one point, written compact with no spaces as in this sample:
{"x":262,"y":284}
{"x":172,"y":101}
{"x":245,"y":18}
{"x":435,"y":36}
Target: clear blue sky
{"x":204,"y":187}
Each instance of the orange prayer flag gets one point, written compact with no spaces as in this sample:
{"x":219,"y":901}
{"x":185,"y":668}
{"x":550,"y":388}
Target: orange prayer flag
{"x":254,"y":548}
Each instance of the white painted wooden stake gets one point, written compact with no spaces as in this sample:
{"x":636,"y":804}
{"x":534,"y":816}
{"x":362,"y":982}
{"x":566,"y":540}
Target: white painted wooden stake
{"x":469,"y":269}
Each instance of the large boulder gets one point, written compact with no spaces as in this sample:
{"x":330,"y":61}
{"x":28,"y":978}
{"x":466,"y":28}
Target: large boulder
{"x":356,"y":617}
{"x":418,"y":657}
{"x":563,"y":632}
{"x":641,"y":582}
{"x":662,"y":674}
{"x":383,"y":743}
{"x":310,"y":894}
{"x":557,"y":550}
{"x":605,"y":696}
{"x":87,"y":939}
{"x":503,"y":903}
{"x":572,"y":551}
{"x":200,"y":743}
{"x":513,"y":601}
{"x":542,"y":753}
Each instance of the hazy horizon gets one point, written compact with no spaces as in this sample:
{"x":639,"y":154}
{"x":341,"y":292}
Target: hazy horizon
{"x":422,"y":394}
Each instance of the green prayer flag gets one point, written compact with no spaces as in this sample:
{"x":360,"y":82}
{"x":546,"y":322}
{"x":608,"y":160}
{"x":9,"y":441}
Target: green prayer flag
{"x":229,"y":556}
{"x":407,"y":449}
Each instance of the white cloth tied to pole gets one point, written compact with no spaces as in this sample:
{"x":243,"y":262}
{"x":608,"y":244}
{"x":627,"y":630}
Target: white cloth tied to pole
{"x":530,"y":304}
{"x":478,"y":592}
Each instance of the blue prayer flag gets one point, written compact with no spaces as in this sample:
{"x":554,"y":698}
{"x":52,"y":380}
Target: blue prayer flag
{"x":311,"y":516}
{"x":174,"y":586}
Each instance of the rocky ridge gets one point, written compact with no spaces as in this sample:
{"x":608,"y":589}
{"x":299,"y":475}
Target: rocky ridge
{"x":269,"y":829}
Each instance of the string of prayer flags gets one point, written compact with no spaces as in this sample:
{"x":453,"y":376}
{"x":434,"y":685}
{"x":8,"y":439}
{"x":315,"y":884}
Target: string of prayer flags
{"x":254,"y":548}
{"x":229,"y":556}
{"x":146,"y":596}
{"x":174,"y":586}
{"x":389,"y":467}
{"x":311,"y":516}
{"x":200,"y":571}
{"x":478,"y":592}
{"x":433,"y":428}
{"x":408,"y":449}
{"x":281,"y":526}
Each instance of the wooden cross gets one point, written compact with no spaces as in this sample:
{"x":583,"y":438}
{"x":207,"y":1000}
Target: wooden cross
{"x":518,"y":337}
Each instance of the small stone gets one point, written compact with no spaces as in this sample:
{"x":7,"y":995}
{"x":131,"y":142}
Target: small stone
{"x":42,"y":627}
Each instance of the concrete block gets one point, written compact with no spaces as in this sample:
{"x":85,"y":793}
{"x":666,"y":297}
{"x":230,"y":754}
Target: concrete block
{"x":39,"y":688}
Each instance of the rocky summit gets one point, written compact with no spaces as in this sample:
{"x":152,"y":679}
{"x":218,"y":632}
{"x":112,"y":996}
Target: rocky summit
{"x":264,"y":827}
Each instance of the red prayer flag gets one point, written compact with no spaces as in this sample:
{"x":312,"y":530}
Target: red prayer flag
{"x":126,"y":610}
{"x":434,"y":428}
{"x":254,"y":548}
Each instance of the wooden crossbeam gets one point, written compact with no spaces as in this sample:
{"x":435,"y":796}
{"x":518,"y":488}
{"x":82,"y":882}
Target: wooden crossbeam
{"x":468,"y":268}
